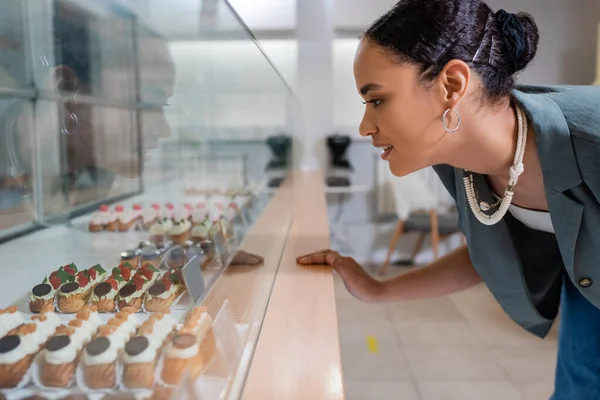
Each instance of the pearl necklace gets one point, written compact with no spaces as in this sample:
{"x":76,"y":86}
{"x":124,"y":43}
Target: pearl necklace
{"x":478,"y":207}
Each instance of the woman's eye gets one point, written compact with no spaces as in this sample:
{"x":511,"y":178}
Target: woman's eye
{"x":375,"y":102}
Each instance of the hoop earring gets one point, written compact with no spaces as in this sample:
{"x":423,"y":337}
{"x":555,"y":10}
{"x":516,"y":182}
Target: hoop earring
{"x":444,"y":121}
{"x":71,"y":121}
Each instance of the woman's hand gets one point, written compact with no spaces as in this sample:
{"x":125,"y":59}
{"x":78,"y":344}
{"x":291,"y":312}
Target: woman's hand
{"x":358,"y":282}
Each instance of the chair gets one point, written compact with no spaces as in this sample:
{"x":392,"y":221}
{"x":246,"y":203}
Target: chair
{"x":422,"y":205}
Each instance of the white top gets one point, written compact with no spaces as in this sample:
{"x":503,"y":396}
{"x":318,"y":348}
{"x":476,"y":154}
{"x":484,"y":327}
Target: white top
{"x":538,"y":220}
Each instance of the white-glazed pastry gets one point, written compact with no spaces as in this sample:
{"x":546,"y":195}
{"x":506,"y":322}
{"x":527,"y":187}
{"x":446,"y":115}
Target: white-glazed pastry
{"x":10,"y":318}
{"x":16,"y":355}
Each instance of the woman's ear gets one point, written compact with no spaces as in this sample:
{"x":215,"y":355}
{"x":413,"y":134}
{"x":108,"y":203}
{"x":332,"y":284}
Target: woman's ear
{"x":454,"y":79}
{"x":63,"y":79}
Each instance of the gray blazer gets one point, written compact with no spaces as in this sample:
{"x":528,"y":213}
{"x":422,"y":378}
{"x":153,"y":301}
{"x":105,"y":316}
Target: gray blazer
{"x":523,"y":268}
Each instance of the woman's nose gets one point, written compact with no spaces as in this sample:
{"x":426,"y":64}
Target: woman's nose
{"x":366,"y":128}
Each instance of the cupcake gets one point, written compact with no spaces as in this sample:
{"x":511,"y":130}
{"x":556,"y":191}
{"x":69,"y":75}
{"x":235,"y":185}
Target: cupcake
{"x":128,"y":219}
{"x":111,"y":220}
{"x":99,"y":219}
{"x":180,"y":231}
{"x":150,"y":215}
{"x":167,"y":212}
{"x":159,"y":231}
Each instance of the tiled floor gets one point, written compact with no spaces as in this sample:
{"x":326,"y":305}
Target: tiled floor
{"x":459,"y":347}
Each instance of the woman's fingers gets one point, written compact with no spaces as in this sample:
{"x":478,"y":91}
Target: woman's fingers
{"x":316,"y":258}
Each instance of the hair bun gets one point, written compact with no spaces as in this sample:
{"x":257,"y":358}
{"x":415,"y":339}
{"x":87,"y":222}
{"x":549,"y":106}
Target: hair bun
{"x":520,"y":36}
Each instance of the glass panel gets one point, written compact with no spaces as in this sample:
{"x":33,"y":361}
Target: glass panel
{"x":85,"y":148}
{"x":17,"y":207}
{"x":93,"y":51}
{"x":14,"y":69}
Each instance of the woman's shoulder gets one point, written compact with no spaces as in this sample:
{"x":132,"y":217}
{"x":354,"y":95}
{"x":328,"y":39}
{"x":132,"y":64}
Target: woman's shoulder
{"x":579,"y":106}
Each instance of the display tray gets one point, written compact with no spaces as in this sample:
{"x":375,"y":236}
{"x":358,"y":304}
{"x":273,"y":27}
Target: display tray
{"x":220,"y":342}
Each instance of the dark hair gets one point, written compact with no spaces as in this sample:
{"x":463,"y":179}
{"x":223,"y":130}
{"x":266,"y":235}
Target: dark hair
{"x":430,"y":33}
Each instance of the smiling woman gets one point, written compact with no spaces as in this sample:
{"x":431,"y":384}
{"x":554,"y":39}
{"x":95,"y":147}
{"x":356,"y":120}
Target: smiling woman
{"x":438,"y":81}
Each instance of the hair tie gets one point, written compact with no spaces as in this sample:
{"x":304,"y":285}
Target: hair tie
{"x":513,"y":36}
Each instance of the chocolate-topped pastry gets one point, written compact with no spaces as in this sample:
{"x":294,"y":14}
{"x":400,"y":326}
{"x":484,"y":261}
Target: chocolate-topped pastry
{"x":9,"y":343}
{"x":157,"y":289}
{"x":137,"y":345}
{"x":102,"y":289}
{"x":58,"y":343}
{"x":69,"y":287}
{"x":184,"y":341}
{"x":41,"y":290}
{"x":127,"y":290}
{"x":98,"y":346}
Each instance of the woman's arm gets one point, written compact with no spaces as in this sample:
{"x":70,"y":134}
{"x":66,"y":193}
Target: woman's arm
{"x":451,"y":273}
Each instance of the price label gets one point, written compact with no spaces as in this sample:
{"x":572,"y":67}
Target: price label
{"x":194,"y":281}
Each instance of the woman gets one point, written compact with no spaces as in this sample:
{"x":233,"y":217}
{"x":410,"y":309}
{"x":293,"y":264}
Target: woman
{"x":437,"y":77}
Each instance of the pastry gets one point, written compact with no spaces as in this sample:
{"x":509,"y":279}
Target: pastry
{"x":99,"y":219}
{"x":201,"y":231}
{"x":132,"y":294}
{"x":16,"y":355}
{"x":10,"y":318}
{"x":62,"y":352}
{"x":73,"y":296}
{"x":142,"y":351}
{"x":159,"y":230}
{"x":111,"y":220}
{"x":42,"y":296}
{"x":96,"y":274}
{"x":59,"y":361}
{"x":128,"y":219}
{"x":167,"y":212}
{"x":100,"y":363}
{"x":182,"y":356}
{"x":180,"y":231}
{"x":100,"y":355}
{"x":149,"y":271}
{"x":151,"y":255}
{"x":150,"y":215}
{"x":198,"y":322}
{"x":131,"y":257}
{"x":161,"y":295}
{"x":176,"y":258}
{"x":105,"y":293}
{"x":46,"y":325}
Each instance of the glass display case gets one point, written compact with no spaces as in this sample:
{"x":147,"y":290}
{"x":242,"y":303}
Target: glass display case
{"x":140,"y":232}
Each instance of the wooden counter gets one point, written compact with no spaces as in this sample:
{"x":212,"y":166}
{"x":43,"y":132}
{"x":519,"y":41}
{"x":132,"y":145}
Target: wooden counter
{"x":298,"y":353}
